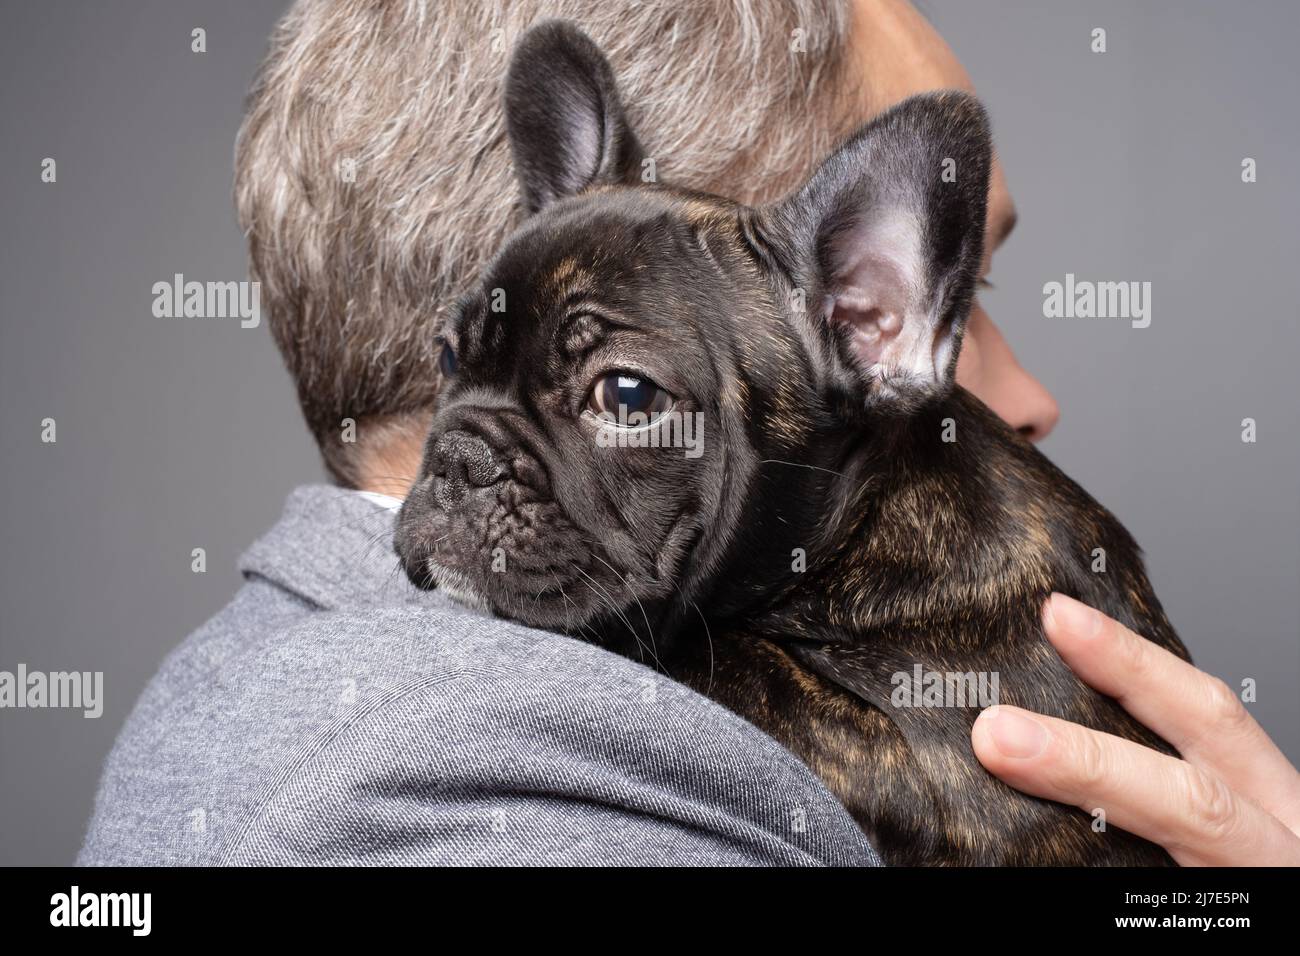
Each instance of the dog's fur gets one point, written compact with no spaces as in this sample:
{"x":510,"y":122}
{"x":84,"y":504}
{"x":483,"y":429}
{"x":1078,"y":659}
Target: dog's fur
{"x":832,"y":533}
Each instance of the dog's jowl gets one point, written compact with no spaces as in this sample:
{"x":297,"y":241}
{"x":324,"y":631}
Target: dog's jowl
{"x":850,"y":551}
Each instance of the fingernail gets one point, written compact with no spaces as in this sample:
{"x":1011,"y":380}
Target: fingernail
{"x":1014,"y":734}
{"x":1071,"y":615}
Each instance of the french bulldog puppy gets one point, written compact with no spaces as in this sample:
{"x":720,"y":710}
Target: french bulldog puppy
{"x":726,"y":441}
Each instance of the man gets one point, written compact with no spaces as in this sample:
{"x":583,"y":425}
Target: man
{"x":332,"y":714}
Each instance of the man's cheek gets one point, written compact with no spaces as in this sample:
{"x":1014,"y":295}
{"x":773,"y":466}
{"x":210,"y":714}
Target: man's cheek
{"x":970,"y":364}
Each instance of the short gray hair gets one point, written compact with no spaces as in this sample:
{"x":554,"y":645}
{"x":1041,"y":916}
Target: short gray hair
{"x":373,"y":178}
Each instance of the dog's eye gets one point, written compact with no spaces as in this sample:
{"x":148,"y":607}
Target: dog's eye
{"x":447,"y":360}
{"x":619,"y":395}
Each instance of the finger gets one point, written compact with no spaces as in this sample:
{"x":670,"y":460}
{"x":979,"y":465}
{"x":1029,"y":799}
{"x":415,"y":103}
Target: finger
{"x":1197,"y":713}
{"x":1187,"y":810}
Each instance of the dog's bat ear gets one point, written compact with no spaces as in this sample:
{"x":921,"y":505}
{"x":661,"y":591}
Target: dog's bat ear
{"x":566,"y":124}
{"x":886,"y":240}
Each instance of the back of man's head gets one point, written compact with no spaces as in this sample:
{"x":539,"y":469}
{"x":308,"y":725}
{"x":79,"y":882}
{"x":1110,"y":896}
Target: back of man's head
{"x":373,"y":177}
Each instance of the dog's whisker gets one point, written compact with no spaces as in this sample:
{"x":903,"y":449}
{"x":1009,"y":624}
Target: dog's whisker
{"x":654,"y":648}
{"x":604,"y":598}
{"x":604,"y":601}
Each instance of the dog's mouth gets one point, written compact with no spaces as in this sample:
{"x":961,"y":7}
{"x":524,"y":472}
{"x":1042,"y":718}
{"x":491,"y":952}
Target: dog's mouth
{"x":521,"y":604}
{"x":456,"y":586}
{"x":559,"y":585}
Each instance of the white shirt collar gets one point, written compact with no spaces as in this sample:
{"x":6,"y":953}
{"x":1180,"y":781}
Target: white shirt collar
{"x":387,"y":502}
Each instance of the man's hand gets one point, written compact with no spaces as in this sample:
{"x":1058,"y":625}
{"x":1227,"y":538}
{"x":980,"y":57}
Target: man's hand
{"x":1232,"y":800}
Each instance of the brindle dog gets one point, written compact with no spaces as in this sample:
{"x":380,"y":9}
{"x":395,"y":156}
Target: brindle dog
{"x":845,"y":514}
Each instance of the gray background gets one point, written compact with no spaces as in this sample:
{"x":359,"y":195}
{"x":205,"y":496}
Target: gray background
{"x":175,"y":434}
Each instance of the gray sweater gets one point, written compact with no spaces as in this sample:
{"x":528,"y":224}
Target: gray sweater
{"x":332,"y":714}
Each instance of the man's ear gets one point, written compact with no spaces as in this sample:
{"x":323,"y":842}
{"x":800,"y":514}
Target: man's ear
{"x":563,"y":116}
{"x":885,"y":241}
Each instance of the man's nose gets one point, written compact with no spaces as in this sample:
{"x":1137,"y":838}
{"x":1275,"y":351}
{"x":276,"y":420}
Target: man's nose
{"x":989,"y":370}
{"x":462,"y":460}
{"x":1038,"y":412}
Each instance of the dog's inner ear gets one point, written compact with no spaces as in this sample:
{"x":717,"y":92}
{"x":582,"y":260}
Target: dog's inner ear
{"x":886,"y":239}
{"x":876,"y":292}
{"x":564,"y":119}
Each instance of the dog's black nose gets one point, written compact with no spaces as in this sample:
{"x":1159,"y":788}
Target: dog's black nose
{"x":462,"y":460}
